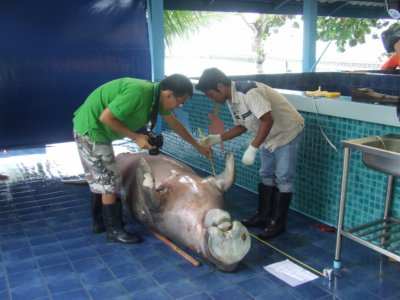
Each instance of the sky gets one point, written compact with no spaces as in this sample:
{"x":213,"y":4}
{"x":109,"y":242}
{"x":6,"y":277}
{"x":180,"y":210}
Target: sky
{"x":233,"y":38}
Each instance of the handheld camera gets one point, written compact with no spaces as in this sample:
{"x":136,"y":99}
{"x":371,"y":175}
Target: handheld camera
{"x":156,"y":140}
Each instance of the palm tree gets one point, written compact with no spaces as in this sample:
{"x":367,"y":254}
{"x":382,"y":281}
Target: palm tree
{"x":181,"y":24}
{"x":262,"y":27}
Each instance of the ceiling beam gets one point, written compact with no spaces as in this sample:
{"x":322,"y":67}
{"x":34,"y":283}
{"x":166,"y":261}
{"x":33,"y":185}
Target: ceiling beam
{"x":338,"y":8}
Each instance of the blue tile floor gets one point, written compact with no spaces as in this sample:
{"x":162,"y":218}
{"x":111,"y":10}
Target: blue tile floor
{"x":47,"y":250}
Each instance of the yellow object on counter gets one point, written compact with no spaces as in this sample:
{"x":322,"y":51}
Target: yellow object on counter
{"x":319,"y":93}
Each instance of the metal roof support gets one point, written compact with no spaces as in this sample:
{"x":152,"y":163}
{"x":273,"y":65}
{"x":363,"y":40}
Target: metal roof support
{"x":156,"y":32}
{"x":310,"y":13}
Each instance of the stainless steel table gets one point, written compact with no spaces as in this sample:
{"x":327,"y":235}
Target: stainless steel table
{"x":382,"y":235}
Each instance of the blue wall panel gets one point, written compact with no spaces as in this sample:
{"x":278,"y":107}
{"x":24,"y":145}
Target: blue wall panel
{"x":54,"y":53}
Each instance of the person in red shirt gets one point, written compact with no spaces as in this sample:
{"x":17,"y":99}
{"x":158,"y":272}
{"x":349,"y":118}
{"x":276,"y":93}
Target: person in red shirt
{"x":394,"y":61}
{"x":391,"y":41}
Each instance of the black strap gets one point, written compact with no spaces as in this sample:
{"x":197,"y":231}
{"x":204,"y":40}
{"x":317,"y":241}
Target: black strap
{"x":154,"y":112}
{"x":245,"y":86}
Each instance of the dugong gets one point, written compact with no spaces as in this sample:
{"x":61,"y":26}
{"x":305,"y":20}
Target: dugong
{"x":168,"y":197}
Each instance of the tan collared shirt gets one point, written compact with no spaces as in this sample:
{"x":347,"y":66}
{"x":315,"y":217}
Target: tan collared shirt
{"x":247,"y":108}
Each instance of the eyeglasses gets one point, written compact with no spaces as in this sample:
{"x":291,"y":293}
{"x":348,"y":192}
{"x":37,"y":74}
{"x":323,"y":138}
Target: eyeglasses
{"x":180,"y":102}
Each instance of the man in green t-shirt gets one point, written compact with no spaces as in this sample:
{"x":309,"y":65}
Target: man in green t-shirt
{"x":113,"y":111}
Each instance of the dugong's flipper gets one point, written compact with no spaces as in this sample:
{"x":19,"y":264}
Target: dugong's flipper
{"x":226,"y":179}
{"x":145,"y":194}
{"x":228,"y":242}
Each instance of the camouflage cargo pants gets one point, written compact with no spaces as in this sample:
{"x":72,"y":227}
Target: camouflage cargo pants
{"x":99,"y":165}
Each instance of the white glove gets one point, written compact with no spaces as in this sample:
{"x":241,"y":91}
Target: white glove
{"x":213,"y":139}
{"x":249,"y":156}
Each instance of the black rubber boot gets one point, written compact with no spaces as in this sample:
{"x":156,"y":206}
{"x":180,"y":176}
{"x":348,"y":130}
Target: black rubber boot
{"x":112,"y":215}
{"x":97,"y":216}
{"x":277,"y":225}
{"x":263,"y":215}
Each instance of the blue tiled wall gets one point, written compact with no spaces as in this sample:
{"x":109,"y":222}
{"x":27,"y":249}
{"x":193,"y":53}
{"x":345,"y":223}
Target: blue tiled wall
{"x":319,"y":169}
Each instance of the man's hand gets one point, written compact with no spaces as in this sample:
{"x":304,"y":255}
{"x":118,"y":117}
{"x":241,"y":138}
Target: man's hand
{"x":143,"y":143}
{"x":213,"y":139}
{"x":205,"y":150}
{"x":249,"y":156}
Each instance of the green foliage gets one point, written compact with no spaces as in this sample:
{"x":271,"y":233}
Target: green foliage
{"x":181,"y":24}
{"x":262,"y":28}
{"x":347,"y":31}
{"x":343,"y":31}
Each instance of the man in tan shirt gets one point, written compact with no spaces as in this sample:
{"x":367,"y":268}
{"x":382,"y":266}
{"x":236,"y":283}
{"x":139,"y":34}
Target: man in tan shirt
{"x":276,"y":128}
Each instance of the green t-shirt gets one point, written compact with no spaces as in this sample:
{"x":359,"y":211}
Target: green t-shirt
{"x":130,"y":100}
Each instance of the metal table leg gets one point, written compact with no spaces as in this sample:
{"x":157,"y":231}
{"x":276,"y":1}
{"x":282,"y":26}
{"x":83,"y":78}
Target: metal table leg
{"x":388,"y":206}
{"x":346,"y":157}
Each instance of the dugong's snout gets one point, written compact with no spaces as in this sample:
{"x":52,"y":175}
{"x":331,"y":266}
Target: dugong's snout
{"x":228,"y":242}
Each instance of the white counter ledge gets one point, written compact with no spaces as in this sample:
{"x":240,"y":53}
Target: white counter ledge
{"x":343,"y":107}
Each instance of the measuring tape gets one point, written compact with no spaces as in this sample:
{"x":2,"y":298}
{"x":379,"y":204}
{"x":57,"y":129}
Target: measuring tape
{"x":327,"y":272}
{"x":204,"y":143}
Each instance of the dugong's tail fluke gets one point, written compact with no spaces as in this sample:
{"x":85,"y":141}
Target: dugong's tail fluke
{"x":146,"y":184}
{"x":225,"y":180}
{"x":145,"y":193}
{"x":75,"y":181}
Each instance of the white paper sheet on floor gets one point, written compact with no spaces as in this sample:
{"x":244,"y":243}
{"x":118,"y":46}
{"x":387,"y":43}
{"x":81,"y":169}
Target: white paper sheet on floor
{"x":290,"y":273}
